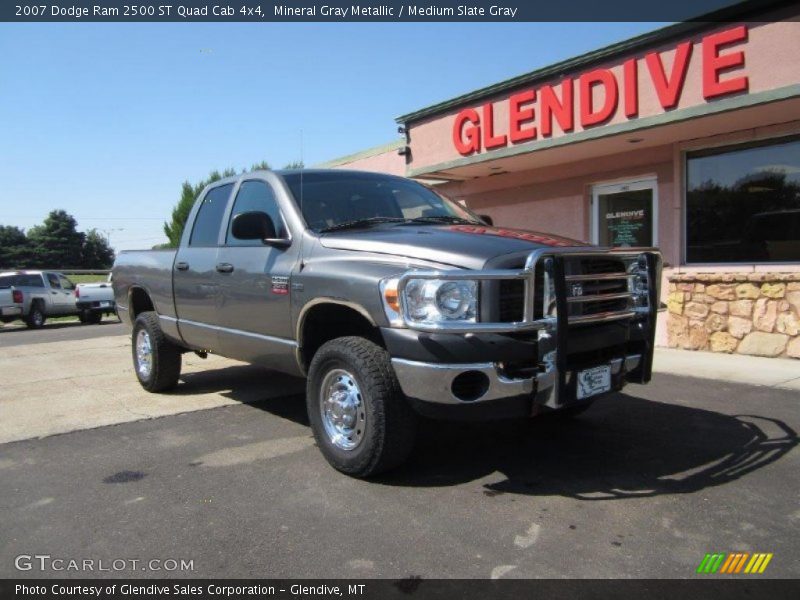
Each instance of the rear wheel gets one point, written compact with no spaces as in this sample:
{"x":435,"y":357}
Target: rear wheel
{"x":94,"y":317}
{"x":360,"y":418}
{"x":36,"y":316}
{"x":156,"y":360}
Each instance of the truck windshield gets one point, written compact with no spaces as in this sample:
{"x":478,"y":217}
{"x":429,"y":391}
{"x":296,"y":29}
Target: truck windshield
{"x":331,"y":200}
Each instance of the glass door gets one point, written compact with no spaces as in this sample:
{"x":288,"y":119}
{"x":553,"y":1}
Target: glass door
{"x":625,"y":214}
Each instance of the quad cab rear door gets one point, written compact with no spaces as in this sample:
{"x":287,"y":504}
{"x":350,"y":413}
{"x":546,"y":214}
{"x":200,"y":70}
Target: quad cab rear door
{"x":194,"y":275}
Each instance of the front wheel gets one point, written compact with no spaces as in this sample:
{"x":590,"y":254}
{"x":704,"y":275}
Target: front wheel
{"x":360,"y":418}
{"x":156,"y":360}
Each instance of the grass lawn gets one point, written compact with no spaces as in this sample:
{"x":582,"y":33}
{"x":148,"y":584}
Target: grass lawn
{"x":76,"y":279}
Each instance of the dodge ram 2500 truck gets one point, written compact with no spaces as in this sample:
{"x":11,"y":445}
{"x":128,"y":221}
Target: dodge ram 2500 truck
{"x":393,"y":302}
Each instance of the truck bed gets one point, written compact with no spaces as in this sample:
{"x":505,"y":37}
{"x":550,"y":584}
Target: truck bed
{"x":149,"y":269}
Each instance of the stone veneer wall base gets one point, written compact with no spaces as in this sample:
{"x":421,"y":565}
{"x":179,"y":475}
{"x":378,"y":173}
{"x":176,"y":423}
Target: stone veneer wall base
{"x":754,"y":313}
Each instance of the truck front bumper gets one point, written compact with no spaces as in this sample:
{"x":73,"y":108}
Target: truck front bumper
{"x":463,"y":385}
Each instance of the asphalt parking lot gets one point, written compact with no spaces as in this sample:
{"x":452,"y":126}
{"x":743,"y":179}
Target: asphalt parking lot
{"x":642,"y":485}
{"x":17,"y":334}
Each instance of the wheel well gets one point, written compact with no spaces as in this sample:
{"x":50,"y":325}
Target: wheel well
{"x":139,"y":303}
{"x":329,"y":321}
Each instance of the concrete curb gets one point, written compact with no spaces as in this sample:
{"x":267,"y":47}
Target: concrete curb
{"x":754,"y":370}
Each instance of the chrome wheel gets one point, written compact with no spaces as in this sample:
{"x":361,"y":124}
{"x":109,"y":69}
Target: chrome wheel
{"x":342,"y":409}
{"x":144,"y":354}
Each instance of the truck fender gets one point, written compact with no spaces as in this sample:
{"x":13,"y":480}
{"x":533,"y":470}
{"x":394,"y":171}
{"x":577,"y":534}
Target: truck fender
{"x":142,"y":293}
{"x":307,"y":309}
{"x":328,"y":300}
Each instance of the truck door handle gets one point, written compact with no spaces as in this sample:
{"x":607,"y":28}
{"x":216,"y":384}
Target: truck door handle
{"x":225,"y":267}
{"x":53,"y":292}
{"x":182,"y":266}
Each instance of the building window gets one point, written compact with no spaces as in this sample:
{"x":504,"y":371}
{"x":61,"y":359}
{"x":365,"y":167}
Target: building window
{"x":743,"y":204}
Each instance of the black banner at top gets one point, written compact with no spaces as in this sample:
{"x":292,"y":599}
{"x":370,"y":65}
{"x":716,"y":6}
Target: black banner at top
{"x":380,"y":10}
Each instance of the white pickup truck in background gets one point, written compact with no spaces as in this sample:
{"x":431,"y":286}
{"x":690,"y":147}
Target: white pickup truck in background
{"x":93,"y":300}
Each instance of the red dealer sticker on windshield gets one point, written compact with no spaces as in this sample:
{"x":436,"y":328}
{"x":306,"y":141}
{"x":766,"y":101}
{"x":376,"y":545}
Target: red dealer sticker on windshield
{"x":513,"y":233}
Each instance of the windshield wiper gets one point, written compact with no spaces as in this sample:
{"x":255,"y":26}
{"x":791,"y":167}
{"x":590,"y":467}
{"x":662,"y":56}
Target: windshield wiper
{"x":442,"y":219}
{"x":356,"y":223}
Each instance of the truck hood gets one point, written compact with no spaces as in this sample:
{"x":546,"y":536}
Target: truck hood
{"x":467,"y":246}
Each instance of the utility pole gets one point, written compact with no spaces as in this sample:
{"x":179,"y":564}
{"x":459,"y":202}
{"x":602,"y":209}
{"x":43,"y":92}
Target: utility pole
{"x":108,"y":233}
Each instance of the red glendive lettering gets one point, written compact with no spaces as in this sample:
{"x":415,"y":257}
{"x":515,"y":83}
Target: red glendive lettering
{"x":603,"y":93}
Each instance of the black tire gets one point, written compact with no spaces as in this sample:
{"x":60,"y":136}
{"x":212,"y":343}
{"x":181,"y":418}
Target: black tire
{"x":36,"y":316}
{"x":389,"y":422}
{"x":94,"y":317}
{"x":165,"y":365}
{"x":83,"y":316}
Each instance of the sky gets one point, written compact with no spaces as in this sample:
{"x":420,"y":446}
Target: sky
{"x":107,"y":120}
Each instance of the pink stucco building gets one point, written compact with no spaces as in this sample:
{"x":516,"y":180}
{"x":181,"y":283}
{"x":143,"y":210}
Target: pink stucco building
{"x":686,"y":138}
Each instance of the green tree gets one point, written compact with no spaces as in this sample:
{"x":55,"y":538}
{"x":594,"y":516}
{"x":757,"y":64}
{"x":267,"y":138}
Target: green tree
{"x":259,"y":166}
{"x":189,"y":193}
{"x":295,"y":164}
{"x":57,"y":243}
{"x":96,"y":252}
{"x":14,"y":248}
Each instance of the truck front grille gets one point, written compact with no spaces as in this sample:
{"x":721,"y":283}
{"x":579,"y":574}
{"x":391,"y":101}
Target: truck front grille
{"x":596,"y":288}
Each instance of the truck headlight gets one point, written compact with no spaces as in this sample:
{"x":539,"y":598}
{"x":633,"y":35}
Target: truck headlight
{"x":435,"y":300}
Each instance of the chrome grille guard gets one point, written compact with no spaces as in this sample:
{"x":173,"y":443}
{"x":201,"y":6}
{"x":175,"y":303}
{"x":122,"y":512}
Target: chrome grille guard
{"x":554,"y":290}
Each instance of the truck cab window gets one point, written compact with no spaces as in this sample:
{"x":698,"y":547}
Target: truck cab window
{"x":255,"y":196}
{"x":52,"y":279}
{"x":209,"y":217}
{"x":66,"y":283}
{"x":22,"y":280}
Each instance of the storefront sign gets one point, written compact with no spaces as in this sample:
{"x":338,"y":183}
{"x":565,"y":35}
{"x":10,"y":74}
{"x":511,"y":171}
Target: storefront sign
{"x":532,"y":113}
{"x":625,"y":227}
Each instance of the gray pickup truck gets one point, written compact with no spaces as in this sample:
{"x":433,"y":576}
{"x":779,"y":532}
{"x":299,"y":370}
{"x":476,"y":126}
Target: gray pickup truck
{"x":393,"y":302}
{"x":44,"y":294}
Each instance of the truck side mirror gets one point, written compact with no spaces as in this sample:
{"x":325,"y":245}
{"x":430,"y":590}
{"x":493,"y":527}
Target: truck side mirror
{"x":256,"y":225}
{"x":487,"y":219}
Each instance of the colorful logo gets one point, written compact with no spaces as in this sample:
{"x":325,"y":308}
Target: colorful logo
{"x":735,"y":562}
